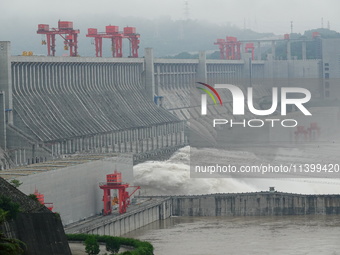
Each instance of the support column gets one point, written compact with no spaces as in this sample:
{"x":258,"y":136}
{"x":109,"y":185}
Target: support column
{"x":304,"y":50}
{"x":201,"y":74}
{"x":259,"y":54}
{"x":3,"y":142}
{"x":119,"y":139}
{"x":247,"y":70}
{"x":289,"y":53}
{"x":20,"y":158}
{"x":6,"y":78}
{"x":81,"y":144}
{"x":273,"y":50}
{"x":162,"y":143}
{"x":158,"y":77}
{"x":150,"y":74}
{"x":24,"y":154}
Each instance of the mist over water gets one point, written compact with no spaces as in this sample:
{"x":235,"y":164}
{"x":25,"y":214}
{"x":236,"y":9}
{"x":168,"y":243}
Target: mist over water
{"x":172,"y":177}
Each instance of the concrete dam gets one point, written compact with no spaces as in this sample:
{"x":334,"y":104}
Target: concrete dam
{"x":255,"y":204}
{"x":57,"y":106}
{"x":226,"y":205}
{"x":54,"y":106}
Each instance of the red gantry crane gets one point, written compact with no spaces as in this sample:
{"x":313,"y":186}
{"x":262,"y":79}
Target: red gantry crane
{"x":65,"y":30}
{"x":114,"y":181}
{"x":112,"y":32}
{"x":133,"y":37}
{"x":250,"y":49}
{"x":229,"y":48}
{"x":221,"y":46}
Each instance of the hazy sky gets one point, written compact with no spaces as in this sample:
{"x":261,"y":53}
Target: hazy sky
{"x":260,"y":15}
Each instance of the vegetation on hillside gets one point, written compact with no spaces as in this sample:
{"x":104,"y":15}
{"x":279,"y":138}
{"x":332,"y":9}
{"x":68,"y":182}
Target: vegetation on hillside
{"x":8,"y":211}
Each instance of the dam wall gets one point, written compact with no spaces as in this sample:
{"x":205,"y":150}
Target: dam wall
{"x":176,"y":82}
{"x":71,"y":105}
{"x":72,"y":185}
{"x":255,"y":204}
{"x":122,"y":224}
{"x":65,"y":105}
{"x":226,"y":205}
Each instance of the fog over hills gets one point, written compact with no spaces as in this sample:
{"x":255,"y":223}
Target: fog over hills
{"x":166,"y":36}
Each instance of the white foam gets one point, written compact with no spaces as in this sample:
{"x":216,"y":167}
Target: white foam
{"x":172,"y":177}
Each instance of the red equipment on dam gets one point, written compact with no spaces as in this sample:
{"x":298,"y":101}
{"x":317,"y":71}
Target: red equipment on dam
{"x":114,"y":181}
{"x":65,"y":30}
{"x":113,"y":33}
{"x":70,"y":36}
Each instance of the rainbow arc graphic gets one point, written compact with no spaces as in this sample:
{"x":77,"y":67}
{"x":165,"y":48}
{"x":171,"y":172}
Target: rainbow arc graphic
{"x":209,"y":90}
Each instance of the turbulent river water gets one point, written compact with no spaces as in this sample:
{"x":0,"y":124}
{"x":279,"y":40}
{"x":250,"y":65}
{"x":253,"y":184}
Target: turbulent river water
{"x":236,"y":235}
{"x":173,"y":176}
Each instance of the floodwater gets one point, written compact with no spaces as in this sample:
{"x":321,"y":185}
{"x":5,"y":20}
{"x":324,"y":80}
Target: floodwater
{"x":288,"y":235}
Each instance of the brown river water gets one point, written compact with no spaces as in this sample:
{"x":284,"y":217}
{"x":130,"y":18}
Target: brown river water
{"x":318,"y":234}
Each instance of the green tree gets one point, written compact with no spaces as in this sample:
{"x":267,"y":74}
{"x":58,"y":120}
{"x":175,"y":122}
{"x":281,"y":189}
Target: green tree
{"x":11,"y":208}
{"x":112,"y":245}
{"x":33,"y":196}
{"x":91,"y":245}
{"x":15,"y":183}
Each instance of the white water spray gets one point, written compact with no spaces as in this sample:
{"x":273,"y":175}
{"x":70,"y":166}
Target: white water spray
{"x":172,"y":177}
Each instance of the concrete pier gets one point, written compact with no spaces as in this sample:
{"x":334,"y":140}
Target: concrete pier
{"x":6,"y":78}
{"x":255,"y":204}
{"x":227,"y":205}
{"x":117,"y":225}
